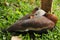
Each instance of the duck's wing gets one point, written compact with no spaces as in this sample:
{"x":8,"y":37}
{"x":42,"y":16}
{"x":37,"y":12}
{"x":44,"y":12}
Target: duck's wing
{"x":35,"y":24}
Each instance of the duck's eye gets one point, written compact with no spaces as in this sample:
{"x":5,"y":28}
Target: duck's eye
{"x":36,"y":14}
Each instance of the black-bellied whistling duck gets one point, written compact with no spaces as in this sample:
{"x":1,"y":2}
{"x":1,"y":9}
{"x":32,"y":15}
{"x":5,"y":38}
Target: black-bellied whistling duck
{"x":39,"y":21}
{"x":36,"y":23}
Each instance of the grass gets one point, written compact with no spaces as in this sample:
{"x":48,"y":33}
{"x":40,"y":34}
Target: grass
{"x":12,"y":10}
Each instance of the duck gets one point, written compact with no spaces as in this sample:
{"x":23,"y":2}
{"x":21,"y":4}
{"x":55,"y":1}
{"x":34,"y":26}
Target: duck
{"x":36,"y":21}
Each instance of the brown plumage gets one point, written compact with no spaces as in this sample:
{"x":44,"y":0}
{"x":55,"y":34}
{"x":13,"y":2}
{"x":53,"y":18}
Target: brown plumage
{"x":52,"y":17}
{"x":30,"y":22}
